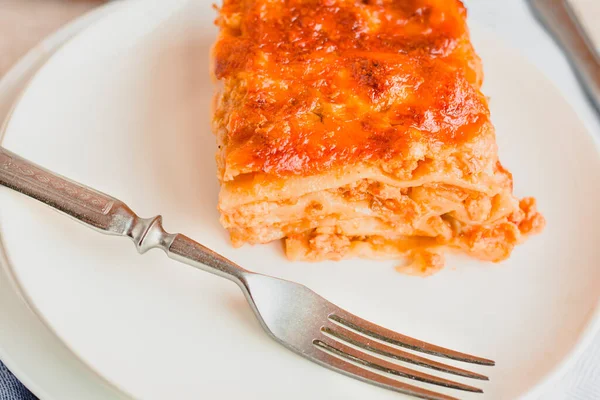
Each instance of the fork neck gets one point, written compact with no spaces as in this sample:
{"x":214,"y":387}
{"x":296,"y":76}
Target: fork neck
{"x":148,"y":233}
{"x":190,"y":252}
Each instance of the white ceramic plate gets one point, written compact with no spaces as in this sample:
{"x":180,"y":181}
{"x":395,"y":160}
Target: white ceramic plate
{"x":124,"y":107}
{"x":27,"y":346}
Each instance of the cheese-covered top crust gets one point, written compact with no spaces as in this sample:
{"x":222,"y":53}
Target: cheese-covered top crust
{"x":311,"y":85}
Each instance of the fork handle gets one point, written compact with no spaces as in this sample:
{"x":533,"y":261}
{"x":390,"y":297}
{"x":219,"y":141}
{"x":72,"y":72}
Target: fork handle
{"x":108,"y":215}
{"x":560,"y":20}
{"x":93,"y":208}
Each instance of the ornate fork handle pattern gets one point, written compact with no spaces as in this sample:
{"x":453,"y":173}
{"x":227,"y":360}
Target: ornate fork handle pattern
{"x":30,"y":174}
{"x":86,"y":205}
{"x":108,"y":215}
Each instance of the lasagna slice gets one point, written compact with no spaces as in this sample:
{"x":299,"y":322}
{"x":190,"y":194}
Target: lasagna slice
{"x":357,"y":128}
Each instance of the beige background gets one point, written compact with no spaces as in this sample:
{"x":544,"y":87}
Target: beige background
{"x":23,"y":23}
{"x":589,"y":12}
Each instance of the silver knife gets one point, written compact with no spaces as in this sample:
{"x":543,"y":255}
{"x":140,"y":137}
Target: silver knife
{"x":560,"y":20}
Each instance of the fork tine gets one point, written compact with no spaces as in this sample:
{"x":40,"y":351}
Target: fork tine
{"x":367,"y":328}
{"x":387,"y":367}
{"x":345,"y":367}
{"x":366,"y":343}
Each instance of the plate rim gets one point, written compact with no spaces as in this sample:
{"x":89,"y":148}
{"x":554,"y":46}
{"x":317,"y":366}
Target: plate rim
{"x":592,"y":326}
{"x":19,"y":77}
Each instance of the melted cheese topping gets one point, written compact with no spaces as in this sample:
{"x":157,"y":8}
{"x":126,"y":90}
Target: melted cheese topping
{"x":311,"y":85}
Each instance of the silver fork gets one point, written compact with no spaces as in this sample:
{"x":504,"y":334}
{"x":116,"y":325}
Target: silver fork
{"x":290,"y":313}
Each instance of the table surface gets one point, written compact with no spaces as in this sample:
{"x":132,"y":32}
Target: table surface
{"x":23,"y":23}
